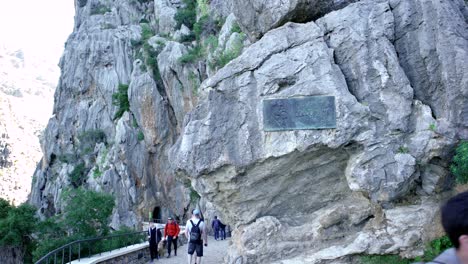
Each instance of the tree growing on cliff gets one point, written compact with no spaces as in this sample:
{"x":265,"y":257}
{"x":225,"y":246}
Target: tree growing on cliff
{"x":86,"y":215}
{"x":16,"y":227}
{"x":87,"y":212}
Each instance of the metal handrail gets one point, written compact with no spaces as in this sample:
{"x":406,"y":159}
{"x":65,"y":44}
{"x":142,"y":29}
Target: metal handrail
{"x":69,"y":246}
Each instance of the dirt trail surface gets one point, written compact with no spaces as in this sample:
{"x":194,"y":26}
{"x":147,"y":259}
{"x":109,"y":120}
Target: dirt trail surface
{"x":213,"y":254}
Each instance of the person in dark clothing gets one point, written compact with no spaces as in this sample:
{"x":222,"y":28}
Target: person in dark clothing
{"x":154,"y":236}
{"x":222,"y":229}
{"x":215,"y":224}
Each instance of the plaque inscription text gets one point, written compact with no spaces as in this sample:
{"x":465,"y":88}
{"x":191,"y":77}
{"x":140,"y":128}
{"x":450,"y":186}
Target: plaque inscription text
{"x":313,"y":112}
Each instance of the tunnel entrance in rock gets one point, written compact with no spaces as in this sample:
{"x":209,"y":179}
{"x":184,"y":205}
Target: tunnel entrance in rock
{"x":157,"y":214}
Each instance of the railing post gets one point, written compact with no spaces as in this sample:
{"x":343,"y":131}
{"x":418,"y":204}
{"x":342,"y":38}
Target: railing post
{"x":69,"y":253}
{"x":79,"y":251}
{"x":63,"y":255}
{"x":55,"y":258}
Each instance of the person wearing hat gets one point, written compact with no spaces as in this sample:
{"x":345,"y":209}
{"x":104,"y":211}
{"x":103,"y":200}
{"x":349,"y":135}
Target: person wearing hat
{"x":195,"y":231}
{"x":171,"y":233}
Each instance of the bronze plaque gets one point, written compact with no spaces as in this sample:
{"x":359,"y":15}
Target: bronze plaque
{"x":313,"y":112}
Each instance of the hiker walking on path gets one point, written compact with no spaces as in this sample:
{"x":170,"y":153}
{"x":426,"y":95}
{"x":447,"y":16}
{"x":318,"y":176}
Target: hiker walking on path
{"x":154,"y":236}
{"x":195,"y":231}
{"x":216,"y":225}
{"x":171,"y":233}
{"x":222,"y":229}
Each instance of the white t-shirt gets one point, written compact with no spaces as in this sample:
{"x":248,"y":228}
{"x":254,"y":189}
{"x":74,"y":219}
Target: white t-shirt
{"x":201,"y":226}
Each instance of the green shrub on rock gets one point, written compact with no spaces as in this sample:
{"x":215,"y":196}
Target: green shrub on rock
{"x":120,"y":99}
{"x":187,"y":15}
{"x":459,"y":166}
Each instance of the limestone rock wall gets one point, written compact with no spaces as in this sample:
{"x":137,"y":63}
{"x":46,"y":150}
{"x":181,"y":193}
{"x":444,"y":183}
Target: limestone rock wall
{"x":123,"y":156}
{"x":338,"y":189}
{"x":194,"y":123}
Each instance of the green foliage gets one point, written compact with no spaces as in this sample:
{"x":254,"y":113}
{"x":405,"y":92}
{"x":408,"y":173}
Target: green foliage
{"x":92,"y":137}
{"x":86,"y":215}
{"x":236,"y":28}
{"x":194,"y":54}
{"x":195,"y":82}
{"x":188,"y":38}
{"x":120,"y":99}
{"x":229,"y":54}
{"x":186,"y":15}
{"x":436,"y":247}
{"x":432,"y":127}
{"x":206,"y":26}
{"x":211,"y":43}
{"x":387,"y":259}
{"x":5,"y":207}
{"x":67,"y":158}
{"x":146,"y":32}
{"x":87,"y":212}
{"x":203,"y":6}
{"x":77,"y":176}
{"x":134,"y":123}
{"x":194,"y":196}
{"x":433,"y":249}
{"x":99,"y":9}
{"x":141,"y":136}
{"x":403,"y":150}
{"x":459,"y":165}
{"x":144,"y":21}
{"x":97,"y":173}
{"x":16,"y":226}
{"x":135,"y":43}
{"x":119,"y":241}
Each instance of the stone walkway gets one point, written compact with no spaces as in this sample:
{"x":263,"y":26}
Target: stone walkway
{"x":213,"y":254}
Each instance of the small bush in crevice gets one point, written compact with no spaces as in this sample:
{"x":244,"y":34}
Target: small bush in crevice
{"x":120,"y":99}
{"x":193,"y":54}
{"x":194,"y":196}
{"x":236,"y":28}
{"x":99,"y":9}
{"x":77,"y":176}
{"x":187,"y":15}
{"x":206,"y":26}
{"x":459,"y":166}
{"x":230,"y":54}
{"x":146,"y":32}
{"x":140,"y":136}
{"x":188,"y":38}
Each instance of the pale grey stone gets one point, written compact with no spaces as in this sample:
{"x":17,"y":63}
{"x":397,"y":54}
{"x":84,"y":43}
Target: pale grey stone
{"x":257,"y":17}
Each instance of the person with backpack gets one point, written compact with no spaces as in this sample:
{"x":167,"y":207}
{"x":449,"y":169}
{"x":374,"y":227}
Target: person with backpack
{"x":154,"y":236}
{"x":195,"y":231}
{"x":171,"y":233}
{"x":215,"y":225}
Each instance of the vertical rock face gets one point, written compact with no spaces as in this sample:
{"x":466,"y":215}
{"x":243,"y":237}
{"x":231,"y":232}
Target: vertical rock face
{"x":259,"y":16}
{"x":397,"y":72}
{"x":388,"y":67}
{"x":86,"y":143}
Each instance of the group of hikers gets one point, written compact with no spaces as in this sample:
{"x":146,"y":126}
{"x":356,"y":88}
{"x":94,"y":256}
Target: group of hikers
{"x":195,"y":232}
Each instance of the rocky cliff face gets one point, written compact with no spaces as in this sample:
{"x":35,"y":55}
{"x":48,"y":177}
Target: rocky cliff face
{"x":397,"y":70}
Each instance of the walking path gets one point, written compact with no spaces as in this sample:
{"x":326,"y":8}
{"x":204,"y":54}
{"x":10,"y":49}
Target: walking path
{"x":213,"y":254}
